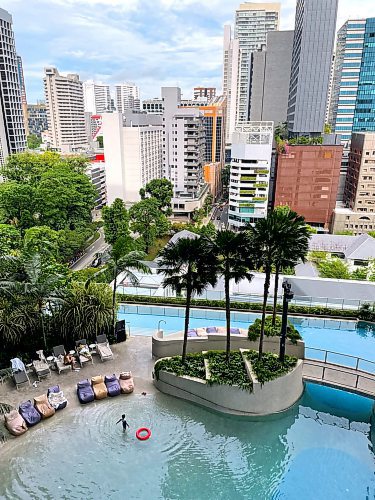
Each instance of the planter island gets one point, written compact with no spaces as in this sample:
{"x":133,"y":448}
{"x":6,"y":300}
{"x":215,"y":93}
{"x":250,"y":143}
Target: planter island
{"x":245,"y":386}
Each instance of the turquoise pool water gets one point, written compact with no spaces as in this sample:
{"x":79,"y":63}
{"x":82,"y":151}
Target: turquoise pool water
{"x":346,"y":337}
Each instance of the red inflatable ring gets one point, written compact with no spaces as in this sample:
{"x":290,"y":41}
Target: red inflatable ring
{"x":144,"y":437}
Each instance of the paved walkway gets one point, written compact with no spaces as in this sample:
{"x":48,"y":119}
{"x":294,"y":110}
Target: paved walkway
{"x":340,"y":377}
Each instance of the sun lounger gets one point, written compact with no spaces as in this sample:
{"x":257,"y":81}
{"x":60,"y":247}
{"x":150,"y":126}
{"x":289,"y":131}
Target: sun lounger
{"x":29,"y":413}
{"x":59,"y":353}
{"x":20,"y":376}
{"x":15,"y":424}
{"x":126,"y":382}
{"x":102,"y":348}
{"x":83,"y":352}
{"x":41,"y":366}
{"x":85,"y":392}
{"x":99,"y":388}
{"x":56,"y":398}
{"x":113,"y":385}
{"x":43,"y":407}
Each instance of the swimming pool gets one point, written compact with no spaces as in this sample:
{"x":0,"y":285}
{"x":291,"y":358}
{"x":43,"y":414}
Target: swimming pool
{"x":346,"y":337}
{"x":319,"y":449}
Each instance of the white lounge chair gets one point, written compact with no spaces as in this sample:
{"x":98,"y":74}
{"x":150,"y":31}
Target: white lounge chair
{"x":83,"y":352}
{"x":102,"y":348}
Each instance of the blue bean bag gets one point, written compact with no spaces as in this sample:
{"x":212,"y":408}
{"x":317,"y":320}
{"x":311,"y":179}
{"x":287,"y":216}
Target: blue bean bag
{"x":85,"y":392}
{"x":29,"y":413}
{"x":112,"y":384}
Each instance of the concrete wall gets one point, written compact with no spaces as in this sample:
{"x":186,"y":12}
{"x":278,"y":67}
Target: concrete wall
{"x":172,"y":344}
{"x":273,"y":397}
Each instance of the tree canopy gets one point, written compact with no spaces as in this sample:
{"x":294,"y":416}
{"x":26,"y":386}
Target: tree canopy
{"x":148,"y":221}
{"x":162,"y":191}
{"x":33,"y":141}
{"x":116,"y":221}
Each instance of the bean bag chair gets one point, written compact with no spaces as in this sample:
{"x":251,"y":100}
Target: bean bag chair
{"x":29,"y":413}
{"x":56,"y":398}
{"x":99,"y":388}
{"x":126,"y":382}
{"x":42,"y":405}
{"x":113,"y":385}
{"x":84,"y":392}
{"x":15,"y":424}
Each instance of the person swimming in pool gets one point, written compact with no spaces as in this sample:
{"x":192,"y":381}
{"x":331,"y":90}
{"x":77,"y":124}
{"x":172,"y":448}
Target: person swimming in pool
{"x":124,"y":422}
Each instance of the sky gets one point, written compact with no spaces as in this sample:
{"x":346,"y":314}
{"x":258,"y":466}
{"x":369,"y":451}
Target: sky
{"x":153,"y":43}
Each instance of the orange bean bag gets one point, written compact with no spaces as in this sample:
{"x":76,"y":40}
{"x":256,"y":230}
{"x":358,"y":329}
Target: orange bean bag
{"x":99,"y":387}
{"x":42,"y":405}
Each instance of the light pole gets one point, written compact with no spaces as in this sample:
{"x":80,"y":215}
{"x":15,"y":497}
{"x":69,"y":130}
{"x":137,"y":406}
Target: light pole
{"x":287,"y":297}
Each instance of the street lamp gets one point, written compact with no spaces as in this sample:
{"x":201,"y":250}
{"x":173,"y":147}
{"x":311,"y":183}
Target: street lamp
{"x":287,"y":297}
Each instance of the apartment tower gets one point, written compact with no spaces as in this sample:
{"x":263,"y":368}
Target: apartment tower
{"x":21,"y":79}
{"x":12,"y":128}
{"x":65,"y":111}
{"x":127,"y":97}
{"x":97,"y":97}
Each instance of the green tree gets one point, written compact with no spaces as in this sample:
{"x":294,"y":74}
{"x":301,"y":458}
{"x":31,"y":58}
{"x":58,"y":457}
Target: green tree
{"x":208,"y":230}
{"x":10,"y":239}
{"x":33,"y":141}
{"x":225,"y":177}
{"x":28,"y":167}
{"x":359,"y":274}
{"x":43,"y":241}
{"x":346,"y":232}
{"x":162,"y":191}
{"x":188,"y":264}
{"x":148,"y":221}
{"x":116,"y":221}
{"x":17,"y":204}
{"x":233,"y":263}
{"x":371,"y":233}
{"x":327,"y":128}
{"x":333,"y":268}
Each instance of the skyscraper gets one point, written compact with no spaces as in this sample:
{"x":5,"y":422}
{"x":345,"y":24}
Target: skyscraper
{"x":314,"y":35}
{"x":12,"y":129}
{"x":37,"y":117}
{"x":65,"y":110}
{"x":23,"y":94}
{"x":127,"y":96}
{"x":97,"y":97}
{"x":230,"y":80}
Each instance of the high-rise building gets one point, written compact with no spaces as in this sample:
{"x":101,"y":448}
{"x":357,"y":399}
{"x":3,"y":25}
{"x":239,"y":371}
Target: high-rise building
{"x":307,"y":180}
{"x":209,"y":92}
{"x":231,"y":56}
{"x":23,"y":94}
{"x":270,"y":77}
{"x":37,"y":117}
{"x":314,"y":34}
{"x":97,"y":97}
{"x":127,"y":96}
{"x":12,"y":128}
{"x":133,"y":150}
{"x":358,"y":215}
{"x":153,"y":106}
{"x":97,"y":174}
{"x":250,"y":172}
{"x":65,"y":111}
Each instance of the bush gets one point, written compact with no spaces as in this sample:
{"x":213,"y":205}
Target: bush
{"x":273,"y":331}
{"x":269,"y":367}
{"x":367,"y":312}
{"x":194,"y":366}
{"x":232,"y":373}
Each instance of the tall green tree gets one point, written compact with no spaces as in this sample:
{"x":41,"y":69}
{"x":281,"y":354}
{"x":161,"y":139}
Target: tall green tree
{"x":162,"y":191}
{"x":233,"y":263}
{"x":33,"y":141}
{"x":188,"y":264}
{"x":148,"y":221}
{"x":10,"y":239}
{"x":116,"y":221}
{"x":334,"y":268}
{"x":291,"y":247}
{"x":41,"y":240}
{"x":17,"y":204}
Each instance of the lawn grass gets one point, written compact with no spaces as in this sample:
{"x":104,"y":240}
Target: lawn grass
{"x":156,"y":247}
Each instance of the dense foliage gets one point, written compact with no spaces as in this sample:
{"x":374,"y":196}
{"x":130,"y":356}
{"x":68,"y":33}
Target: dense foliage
{"x":273,"y":330}
{"x":162,"y":191}
{"x":193,"y":367}
{"x":269,"y":367}
{"x":116,"y":221}
{"x":148,"y":221}
{"x":232,"y":372}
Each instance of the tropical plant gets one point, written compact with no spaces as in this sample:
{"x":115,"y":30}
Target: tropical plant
{"x":10,"y":239}
{"x":233,"y":263}
{"x":334,"y":268}
{"x":116,"y":221}
{"x":162,"y":191}
{"x":33,"y":141}
{"x":148,"y":221}
{"x":188,"y":264}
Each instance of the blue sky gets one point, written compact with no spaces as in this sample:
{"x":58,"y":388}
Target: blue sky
{"x":151,"y":42}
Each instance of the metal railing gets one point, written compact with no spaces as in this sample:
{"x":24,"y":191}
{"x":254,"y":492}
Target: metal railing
{"x":334,"y":358}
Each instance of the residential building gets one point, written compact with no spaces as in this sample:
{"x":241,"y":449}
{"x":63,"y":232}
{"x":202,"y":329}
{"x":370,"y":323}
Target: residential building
{"x":96,"y":172}
{"x":199,"y":101}
{"x":12,"y":128}
{"x":349,"y":51}
{"x":97,"y":97}
{"x":212,"y":176}
{"x":133,"y":154}
{"x":314,"y":34}
{"x":153,"y":106}
{"x":65,"y":111}
{"x":183,"y":153}
{"x":37,"y":117}
{"x":250,"y":172}
{"x":307,"y":180}
{"x":231,"y":55}
{"x":358,"y":215}
{"x":270,"y":77}
{"x":127,"y":96}
{"x":21,"y":79}
{"x":330,"y":88}
{"x":208,"y":92}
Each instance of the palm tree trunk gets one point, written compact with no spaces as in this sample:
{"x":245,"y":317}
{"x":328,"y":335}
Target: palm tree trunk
{"x":264,"y":309}
{"x":40,"y":310}
{"x":114,"y":303}
{"x":187,"y":316}
{"x":277,"y":274}
{"x":227,"y":313}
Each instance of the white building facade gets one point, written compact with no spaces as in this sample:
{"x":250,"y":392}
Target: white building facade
{"x":97,"y":97}
{"x":230,"y":80}
{"x":127,"y":96}
{"x":12,"y":127}
{"x":250,"y":173}
{"x":65,"y":111}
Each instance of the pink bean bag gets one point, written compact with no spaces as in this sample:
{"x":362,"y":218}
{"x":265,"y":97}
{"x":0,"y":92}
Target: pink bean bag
{"x":15,"y":424}
{"x":126,"y":382}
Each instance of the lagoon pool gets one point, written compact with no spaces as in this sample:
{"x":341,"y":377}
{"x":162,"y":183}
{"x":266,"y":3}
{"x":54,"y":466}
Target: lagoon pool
{"x":346,"y":337}
{"x":319,"y":449}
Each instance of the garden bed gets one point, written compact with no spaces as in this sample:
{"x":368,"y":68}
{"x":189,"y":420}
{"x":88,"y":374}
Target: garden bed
{"x":270,"y":367}
{"x":194,"y":366}
{"x":233,"y":373}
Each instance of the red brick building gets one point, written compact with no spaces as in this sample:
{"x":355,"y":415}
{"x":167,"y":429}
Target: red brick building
{"x":307,"y":180}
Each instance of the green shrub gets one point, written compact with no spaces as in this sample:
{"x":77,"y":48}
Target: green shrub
{"x":272,"y":331}
{"x":194,"y":366}
{"x":232,"y":373}
{"x":367,"y":312}
{"x":269,"y":367}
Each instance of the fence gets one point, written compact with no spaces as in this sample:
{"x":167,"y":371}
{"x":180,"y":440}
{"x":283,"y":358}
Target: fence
{"x":337,"y":358}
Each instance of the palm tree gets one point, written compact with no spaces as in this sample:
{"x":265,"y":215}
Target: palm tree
{"x":188,"y":264}
{"x":234,"y":262}
{"x":292,"y":247}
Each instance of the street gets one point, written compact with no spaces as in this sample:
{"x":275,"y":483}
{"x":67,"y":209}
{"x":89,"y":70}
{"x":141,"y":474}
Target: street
{"x":99,"y":246}
{"x":221,"y":223}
